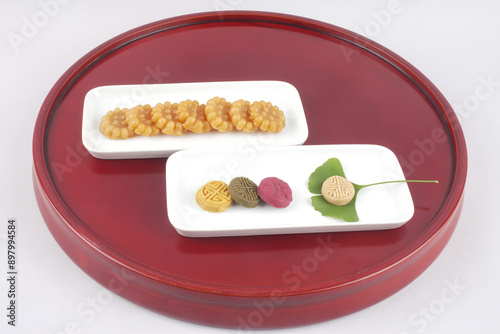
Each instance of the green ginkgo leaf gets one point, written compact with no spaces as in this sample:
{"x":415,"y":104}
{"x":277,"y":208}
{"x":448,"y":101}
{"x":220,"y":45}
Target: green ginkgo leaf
{"x":330,"y":167}
{"x":346,"y":212}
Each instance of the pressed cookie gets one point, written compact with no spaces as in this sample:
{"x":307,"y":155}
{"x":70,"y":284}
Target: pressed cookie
{"x":244,"y":192}
{"x":214,"y":196}
{"x":275,"y":192}
{"x":338,"y":190}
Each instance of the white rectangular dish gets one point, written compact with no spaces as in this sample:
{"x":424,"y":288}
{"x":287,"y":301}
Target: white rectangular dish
{"x":379,"y":207}
{"x":100,"y":100}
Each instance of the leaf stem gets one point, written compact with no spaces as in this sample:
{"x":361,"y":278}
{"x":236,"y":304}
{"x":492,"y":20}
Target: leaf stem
{"x":398,"y":181}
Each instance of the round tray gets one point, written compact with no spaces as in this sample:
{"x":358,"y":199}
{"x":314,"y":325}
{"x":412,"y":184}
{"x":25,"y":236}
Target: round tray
{"x":110,"y":216}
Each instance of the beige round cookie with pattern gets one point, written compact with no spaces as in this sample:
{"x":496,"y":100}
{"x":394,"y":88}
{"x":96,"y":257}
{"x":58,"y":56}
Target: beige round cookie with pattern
{"x":114,"y":125}
{"x":338,"y":190}
{"x":240,"y":116}
{"x":267,"y":117}
{"x":164,"y":118}
{"x":217,"y":113}
{"x":139,"y":120}
{"x":192,"y":116}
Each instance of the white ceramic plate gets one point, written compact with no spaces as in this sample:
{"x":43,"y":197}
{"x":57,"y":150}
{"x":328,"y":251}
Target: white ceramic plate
{"x":100,"y":100}
{"x":379,"y":207}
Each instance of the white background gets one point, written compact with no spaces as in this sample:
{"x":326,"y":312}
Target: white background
{"x":454,"y":43}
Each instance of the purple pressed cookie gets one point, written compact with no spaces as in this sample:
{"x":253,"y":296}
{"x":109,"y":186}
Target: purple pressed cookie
{"x":275,"y":192}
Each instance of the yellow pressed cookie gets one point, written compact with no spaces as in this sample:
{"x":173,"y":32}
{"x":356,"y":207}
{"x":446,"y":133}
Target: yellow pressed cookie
{"x":214,"y":196}
{"x":114,"y":125}
{"x":164,"y":118}
{"x":337,"y":190}
{"x":240,"y":116}
{"x":217,"y":112}
{"x":139,"y":120}
{"x":267,"y":117}
{"x":192,"y":116}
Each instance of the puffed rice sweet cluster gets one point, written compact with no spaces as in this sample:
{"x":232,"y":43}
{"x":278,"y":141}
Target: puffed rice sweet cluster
{"x":191,"y":116}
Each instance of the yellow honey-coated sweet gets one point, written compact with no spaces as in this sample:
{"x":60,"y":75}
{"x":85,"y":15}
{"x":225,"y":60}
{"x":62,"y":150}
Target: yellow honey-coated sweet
{"x":240,"y":116}
{"x":139,"y":120}
{"x":164,"y":118}
{"x":267,"y":117}
{"x":214,"y":196}
{"x":192,"y":116}
{"x":114,"y":125}
{"x":337,"y":190}
{"x":217,"y":113}
{"x":189,"y":115}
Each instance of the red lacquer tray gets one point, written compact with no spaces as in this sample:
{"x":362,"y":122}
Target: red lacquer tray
{"x":110,"y":216}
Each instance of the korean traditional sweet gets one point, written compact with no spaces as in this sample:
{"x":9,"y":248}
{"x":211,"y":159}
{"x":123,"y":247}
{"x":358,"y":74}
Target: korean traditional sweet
{"x":244,"y":192}
{"x":164,"y":117}
{"x":217,"y":113}
{"x":240,"y":116}
{"x":337,"y":190}
{"x":191,"y":116}
{"x":275,"y":192}
{"x":139,"y":120}
{"x":114,"y":125}
{"x":214,"y":196}
{"x":267,"y":117}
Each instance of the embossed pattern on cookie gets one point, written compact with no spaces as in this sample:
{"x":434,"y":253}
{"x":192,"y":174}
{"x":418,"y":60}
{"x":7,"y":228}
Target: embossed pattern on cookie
{"x":337,"y":190}
{"x":214,"y":196}
{"x":244,"y":192}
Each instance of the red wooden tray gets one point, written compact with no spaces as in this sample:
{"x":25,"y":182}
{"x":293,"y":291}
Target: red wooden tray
{"x":110,"y":216}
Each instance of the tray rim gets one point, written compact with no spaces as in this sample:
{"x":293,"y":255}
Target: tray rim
{"x":51,"y":102}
